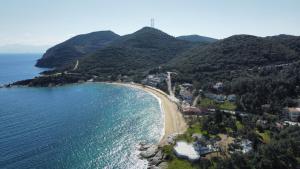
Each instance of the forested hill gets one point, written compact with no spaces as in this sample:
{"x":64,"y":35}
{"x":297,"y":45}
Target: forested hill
{"x":259,"y":70}
{"x":108,"y":55}
{"x":238,"y":52}
{"x":197,"y":38}
{"x":293,"y":42}
{"x":134,"y":54}
{"x":74,"y":48}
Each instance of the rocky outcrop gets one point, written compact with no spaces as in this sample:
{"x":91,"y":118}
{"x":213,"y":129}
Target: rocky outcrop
{"x":149,"y":152}
{"x":154,"y":156}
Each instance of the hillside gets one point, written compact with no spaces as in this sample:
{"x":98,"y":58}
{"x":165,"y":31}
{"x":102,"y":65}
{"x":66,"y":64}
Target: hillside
{"x":292,"y":42}
{"x":259,"y":70}
{"x":237,"y":52}
{"x":75,"y":48}
{"x":197,"y":38}
{"x":134,"y":54}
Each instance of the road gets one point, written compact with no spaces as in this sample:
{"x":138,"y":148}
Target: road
{"x":196,"y":100}
{"x":171,"y":93}
{"x":76,"y":65}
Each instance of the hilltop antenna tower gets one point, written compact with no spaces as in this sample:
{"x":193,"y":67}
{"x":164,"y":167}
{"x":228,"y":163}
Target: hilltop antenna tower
{"x":152,"y":22}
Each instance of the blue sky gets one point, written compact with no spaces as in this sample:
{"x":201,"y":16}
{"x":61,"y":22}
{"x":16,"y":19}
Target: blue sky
{"x":47,"y":22}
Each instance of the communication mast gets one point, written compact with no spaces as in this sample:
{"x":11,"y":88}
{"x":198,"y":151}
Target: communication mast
{"x":152,"y":22}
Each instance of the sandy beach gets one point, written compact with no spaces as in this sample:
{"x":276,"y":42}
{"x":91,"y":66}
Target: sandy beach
{"x":174,"y":121}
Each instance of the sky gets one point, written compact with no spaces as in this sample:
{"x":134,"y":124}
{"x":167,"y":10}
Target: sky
{"x":48,"y":22}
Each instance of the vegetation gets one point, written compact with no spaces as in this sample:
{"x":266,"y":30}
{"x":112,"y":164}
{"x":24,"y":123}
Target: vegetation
{"x":209,"y":103}
{"x":180,"y":164}
{"x":239,"y":125}
{"x":272,"y":148}
{"x":195,"y":128}
{"x":75,"y":48}
{"x":197,"y":38}
{"x":206,"y":102}
{"x":265,"y":136}
{"x":227,"y":106}
{"x":133,"y":55}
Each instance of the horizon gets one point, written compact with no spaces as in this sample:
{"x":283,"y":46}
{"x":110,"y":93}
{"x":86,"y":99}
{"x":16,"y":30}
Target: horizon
{"x":55,"y":22}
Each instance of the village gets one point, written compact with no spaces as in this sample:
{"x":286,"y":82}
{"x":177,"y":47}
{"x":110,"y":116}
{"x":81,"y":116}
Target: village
{"x":201,"y":109}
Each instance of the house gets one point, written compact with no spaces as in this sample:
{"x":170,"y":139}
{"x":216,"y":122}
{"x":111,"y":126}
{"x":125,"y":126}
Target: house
{"x":290,"y":123}
{"x":243,"y":146}
{"x":262,"y":123}
{"x":216,"y":97}
{"x":231,"y":98}
{"x":279,"y":126}
{"x":154,"y":79}
{"x":185,"y":92}
{"x":246,"y":146}
{"x":186,"y":150}
{"x":199,"y":137}
{"x":266,"y":107}
{"x":218,"y":86}
{"x":188,"y":86}
{"x":230,"y":112}
{"x":204,"y":149}
{"x":220,"y":98}
{"x":185,"y":104}
{"x":292,"y":113}
{"x":191,"y":111}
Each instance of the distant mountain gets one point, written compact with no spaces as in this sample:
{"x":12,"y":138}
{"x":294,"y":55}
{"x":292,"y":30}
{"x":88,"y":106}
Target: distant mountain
{"x":76,"y":47}
{"x":134,"y":53}
{"x":197,"y":38}
{"x":20,"y":48}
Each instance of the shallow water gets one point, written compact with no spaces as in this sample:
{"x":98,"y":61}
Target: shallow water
{"x":90,"y":125}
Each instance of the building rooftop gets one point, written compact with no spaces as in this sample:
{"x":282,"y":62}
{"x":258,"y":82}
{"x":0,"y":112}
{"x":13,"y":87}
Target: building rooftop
{"x":294,"y":109}
{"x":187,"y":151}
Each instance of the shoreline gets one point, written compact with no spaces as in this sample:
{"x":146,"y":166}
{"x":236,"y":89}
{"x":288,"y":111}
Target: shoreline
{"x":174,"y":122}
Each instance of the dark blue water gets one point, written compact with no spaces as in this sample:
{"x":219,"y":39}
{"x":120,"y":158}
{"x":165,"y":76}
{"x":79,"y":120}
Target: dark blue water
{"x":90,"y":125}
{"x":14,"y":67}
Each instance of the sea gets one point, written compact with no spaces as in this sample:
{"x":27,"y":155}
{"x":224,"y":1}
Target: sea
{"x":76,"y":126}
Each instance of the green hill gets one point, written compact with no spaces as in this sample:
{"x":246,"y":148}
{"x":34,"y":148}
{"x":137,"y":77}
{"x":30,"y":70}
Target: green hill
{"x":134,"y":54}
{"x":197,"y":38}
{"x":236,"y":52}
{"x":74,"y":48}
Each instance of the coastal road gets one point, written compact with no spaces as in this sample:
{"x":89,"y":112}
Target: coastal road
{"x":76,"y":65}
{"x":169,"y":84}
{"x":196,"y":100}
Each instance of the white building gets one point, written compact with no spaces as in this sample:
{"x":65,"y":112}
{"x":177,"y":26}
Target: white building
{"x":186,"y":151}
{"x":293,"y":113}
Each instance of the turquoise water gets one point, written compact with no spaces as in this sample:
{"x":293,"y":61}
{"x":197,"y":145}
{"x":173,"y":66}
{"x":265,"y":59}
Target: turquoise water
{"x":90,"y":125}
{"x":14,"y":67}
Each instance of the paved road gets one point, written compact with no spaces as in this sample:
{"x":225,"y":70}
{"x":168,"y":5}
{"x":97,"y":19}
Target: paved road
{"x":76,"y":65}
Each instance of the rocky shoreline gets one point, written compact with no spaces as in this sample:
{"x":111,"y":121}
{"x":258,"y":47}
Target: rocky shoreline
{"x":154,"y":155}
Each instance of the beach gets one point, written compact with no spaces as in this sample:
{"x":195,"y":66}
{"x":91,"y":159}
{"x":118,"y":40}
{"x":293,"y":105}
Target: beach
{"x":173,"y":120}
